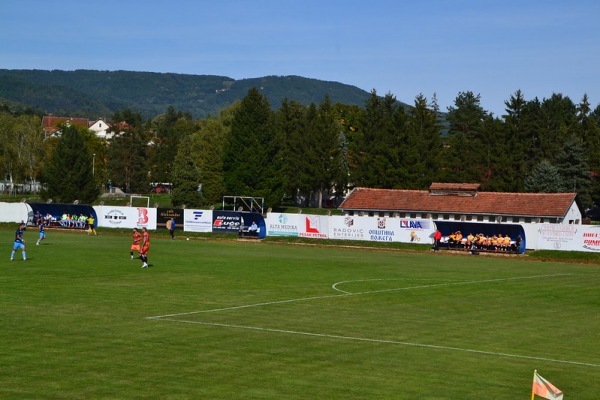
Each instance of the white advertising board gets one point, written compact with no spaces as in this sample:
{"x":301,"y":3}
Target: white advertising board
{"x":416,"y":231}
{"x":283,"y":224}
{"x":126,"y":217}
{"x":568,"y":237}
{"x":314,"y":226}
{"x":380,"y":229}
{"x":197,"y":220}
{"x":303,"y":225}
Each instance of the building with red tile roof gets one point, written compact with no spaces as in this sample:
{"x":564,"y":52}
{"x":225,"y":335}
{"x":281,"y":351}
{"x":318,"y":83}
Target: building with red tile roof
{"x":464,"y":202}
{"x":51,"y":124}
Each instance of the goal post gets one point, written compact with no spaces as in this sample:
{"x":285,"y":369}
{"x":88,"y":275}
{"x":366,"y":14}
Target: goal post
{"x":138,"y":201}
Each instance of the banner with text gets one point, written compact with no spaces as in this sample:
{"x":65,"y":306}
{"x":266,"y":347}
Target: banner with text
{"x":126,"y":217}
{"x":568,"y":237}
{"x":197,"y":220}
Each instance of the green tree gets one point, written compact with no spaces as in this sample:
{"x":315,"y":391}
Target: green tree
{"x":68,"y":176}
{"x":572,"y":162}
{"x":186,"y":189}
{"x":290,"y":122}
{"x":127,"y":162}
{"x":329,"y":158}
{"x":169,"y":129}
{"x":557,"y":118}
{"x":588,"y":129}
{"x":464,"y":157}
{"x":377,"y":161}
{"x":423,"y":146}
{"x":515,"y":137}
{"x":209,"y":142}
{"x":545,"y":178}
{"x":9,"y":148}
{"x":252,"y":156}
{"x":30,"y":140}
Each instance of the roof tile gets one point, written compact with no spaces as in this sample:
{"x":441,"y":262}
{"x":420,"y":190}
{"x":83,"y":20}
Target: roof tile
{"x":525,"y":204}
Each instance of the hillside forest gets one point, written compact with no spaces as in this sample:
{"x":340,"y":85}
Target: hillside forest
{"x":313,"y":154}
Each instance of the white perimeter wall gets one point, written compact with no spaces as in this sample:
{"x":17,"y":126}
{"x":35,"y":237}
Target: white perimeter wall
{"x":14,"y":212}
{"x":382,"y":229}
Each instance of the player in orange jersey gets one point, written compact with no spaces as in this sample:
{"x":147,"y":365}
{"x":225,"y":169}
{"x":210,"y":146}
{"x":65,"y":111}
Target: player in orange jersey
{"x":136,"y":236}
{"x":144,"y":247}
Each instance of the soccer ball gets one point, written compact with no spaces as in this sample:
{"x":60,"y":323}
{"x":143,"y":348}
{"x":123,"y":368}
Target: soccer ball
{"x":187,"y":239}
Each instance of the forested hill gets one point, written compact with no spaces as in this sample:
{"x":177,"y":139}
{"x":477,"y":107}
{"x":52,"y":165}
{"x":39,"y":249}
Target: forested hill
{"x":94,"y":94}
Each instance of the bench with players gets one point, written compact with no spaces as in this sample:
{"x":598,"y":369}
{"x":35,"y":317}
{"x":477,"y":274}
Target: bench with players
{"x":480,"y":242}
{"x":63,"y":221}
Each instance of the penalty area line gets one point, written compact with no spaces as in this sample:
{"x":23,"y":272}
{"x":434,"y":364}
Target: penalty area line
{"x":384,"y":341}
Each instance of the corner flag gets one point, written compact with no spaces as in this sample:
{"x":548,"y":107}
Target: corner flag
{"x":544,"y":389}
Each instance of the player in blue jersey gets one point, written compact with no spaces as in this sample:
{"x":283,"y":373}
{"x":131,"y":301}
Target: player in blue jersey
{"x":19,"y":243}
{"x":42,"y":236}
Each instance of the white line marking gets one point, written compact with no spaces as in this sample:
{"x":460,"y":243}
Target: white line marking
{"x":429,"y":346}
{"x":269,"y":303}
{"x":169,"y":317}
{"x":456,"y":283}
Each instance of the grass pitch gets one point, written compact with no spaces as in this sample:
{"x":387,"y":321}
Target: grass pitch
{"x":237,"y":320}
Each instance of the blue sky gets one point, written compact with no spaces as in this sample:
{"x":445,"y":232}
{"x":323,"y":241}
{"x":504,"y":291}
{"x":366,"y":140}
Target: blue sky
{"x":491,"y":48}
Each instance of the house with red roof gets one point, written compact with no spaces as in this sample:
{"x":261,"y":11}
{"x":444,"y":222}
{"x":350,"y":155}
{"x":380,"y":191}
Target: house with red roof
{"x":52,"y":124}
{"x":464,"y":202}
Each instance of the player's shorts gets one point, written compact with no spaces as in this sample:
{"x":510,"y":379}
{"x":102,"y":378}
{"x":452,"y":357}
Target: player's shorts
{"x":42,"y":235}
{"x":135,"y":247}
{"x":19,"y":245}
{"x":145,"y":250}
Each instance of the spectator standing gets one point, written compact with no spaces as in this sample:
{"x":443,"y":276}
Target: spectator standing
{"x":437,"y":236}
{"x":171,"y":226}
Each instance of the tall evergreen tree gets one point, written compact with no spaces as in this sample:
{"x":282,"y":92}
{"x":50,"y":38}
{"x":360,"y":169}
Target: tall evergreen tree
{"x":545,"y":178}
{"x":169,"y":129}
{"x":557,"y":119}
{"x":208,"y":144}
{"x":252,"y":156}
{"x":378,"y":159}
{"x":572,"y":162}
{"x":324,"y":149}
{"x":465,"y":157}
{"x":515,"y":143}
{"x":291,"y":124}
{"x":186,"y":177}
{"x":69,"y":175}
{"x":127,"y":162}
{"x":421,"y":155}
{"x":588,"y":129}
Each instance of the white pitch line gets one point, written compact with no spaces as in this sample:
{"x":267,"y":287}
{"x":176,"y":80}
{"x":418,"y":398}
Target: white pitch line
{"x":351,"y":338}
{"x":448,"y":283}
{"x":351,"y":294}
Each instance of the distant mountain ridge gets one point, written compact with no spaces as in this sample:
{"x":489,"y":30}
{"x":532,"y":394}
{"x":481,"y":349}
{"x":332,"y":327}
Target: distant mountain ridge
{"x":95,"y":94}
